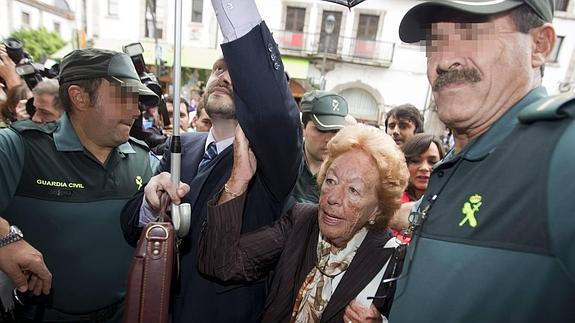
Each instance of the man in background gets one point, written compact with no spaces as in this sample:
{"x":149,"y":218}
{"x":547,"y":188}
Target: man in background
{"x":46,"y":102}
{"x":323,"y":115}
{"x":402,"y":122}
{"x":201,"y":121}
{"x":184,"y":118}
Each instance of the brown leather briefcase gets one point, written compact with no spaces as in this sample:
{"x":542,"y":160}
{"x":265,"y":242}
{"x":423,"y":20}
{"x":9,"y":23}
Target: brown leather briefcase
{"x":150,"y":277}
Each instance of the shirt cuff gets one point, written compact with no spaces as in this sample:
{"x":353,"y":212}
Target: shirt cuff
{"x":147,"y":215}
{"x":236,"y":17}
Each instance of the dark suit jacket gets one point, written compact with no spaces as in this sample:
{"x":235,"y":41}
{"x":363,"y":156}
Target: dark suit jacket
{"x":270,"y":119}
{"x":290,"y":248}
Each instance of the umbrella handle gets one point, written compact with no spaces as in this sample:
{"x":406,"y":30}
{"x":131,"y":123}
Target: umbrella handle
{"x":182,"y":218}
{"x":181,"y":215}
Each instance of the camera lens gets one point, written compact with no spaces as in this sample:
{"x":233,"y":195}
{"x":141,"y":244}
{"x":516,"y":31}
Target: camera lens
{"x":13,"y":43}
{"x":14,"y":49}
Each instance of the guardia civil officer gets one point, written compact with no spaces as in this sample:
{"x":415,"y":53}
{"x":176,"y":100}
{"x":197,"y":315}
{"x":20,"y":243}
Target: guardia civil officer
{"x":64,"y":184}
{"x":494,"y":233}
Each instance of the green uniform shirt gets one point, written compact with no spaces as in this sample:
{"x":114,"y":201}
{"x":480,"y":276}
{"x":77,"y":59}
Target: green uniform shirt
{"x":305,"y":189}
{"x":68,"y":206}
{"x":497,"y":244}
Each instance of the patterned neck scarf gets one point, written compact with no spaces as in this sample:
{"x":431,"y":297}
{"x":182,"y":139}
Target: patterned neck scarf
{"x":316,"y":290}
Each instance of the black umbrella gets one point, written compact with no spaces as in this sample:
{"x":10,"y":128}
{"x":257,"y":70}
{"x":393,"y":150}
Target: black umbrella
{"x":347,"y":3}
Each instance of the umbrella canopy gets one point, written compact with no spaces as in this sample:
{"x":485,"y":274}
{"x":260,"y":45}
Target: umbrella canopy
{"x":347,"y":3}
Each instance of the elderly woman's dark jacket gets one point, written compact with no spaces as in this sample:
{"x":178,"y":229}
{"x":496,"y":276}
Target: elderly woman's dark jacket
{"x":288,"y":247}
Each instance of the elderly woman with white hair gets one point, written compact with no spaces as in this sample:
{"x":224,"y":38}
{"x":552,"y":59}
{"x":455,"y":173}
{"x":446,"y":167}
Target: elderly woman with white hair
{"x":328,"y":259}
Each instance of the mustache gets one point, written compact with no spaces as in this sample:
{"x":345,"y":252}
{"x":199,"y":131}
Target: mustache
{"x":444,"y":79}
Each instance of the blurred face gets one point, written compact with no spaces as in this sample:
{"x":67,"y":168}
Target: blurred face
{"x":348,"y":198}
{"x":46,"y":111}
{"x":478,"y":70}
{"x":202,"y":122}
{"x":420,"y":168}
{"x":400,"y":129}
{"x":316,"y":142}
{"x":109,"y":119}
{"x":184,"y":119}
{"x":219,"y":100}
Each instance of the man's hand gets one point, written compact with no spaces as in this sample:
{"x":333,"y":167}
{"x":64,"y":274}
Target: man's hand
{"x":244,"y":168}
{"x":400,"y":220}
{"x":355,"y":312}
{"x":245,"y":163}
{"x":21,"y":113}
{"x":160,"y":184}
{"x":8,"y":69}
{"x":26,"y":267}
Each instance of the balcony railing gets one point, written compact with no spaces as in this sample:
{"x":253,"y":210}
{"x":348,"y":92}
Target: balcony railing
{"x":347,"y":49}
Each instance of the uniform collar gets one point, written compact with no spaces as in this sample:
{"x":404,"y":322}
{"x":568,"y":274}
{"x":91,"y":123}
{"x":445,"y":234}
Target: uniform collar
{"x":487,"y":142}
{"x":66,"y":139}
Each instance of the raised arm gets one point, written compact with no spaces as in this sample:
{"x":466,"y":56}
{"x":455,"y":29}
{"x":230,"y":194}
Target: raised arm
{"x":265,"y":107}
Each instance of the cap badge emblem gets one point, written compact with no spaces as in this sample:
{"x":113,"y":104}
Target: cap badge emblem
{"x":335,"y":105}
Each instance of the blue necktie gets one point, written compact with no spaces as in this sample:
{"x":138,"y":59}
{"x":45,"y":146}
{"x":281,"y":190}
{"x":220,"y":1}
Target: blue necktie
{"x":209,"y":155}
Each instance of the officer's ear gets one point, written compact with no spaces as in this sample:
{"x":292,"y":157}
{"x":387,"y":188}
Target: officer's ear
{"x":543,"y":38}
{"x":79,"y":98}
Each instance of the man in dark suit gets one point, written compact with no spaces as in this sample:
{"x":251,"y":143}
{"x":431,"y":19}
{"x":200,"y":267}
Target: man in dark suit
{"x":260,"y":100}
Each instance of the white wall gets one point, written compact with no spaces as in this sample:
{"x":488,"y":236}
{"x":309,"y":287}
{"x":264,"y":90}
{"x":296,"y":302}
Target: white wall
{"x":556,"y":72}
{"x":11,"y":19}
{"x":4,"y":19}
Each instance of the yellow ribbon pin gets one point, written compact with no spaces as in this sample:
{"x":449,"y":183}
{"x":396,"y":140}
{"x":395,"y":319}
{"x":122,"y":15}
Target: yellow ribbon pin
{"x":139,"y":182}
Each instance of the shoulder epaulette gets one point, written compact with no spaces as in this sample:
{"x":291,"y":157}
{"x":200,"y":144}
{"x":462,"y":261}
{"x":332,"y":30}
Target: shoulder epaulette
{"x":555,"y":107}
{"x":29,"y":125}
{"x":140,"y":143}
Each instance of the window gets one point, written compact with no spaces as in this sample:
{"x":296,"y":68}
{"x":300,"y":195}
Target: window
{"x":561,"y":5}
{"x":151,"y":23}
{"x":295,"y":18}
{"x":554,"y":55}
{"x":150,"y":29}
{"x":329,"y":41}
{"x":113,"y":8}
{"x":367,"y":27}
{"x":197,"y":10}
{"x":365,"y":44}
{"x":25,"y":20}
{"x":57,"y":28}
